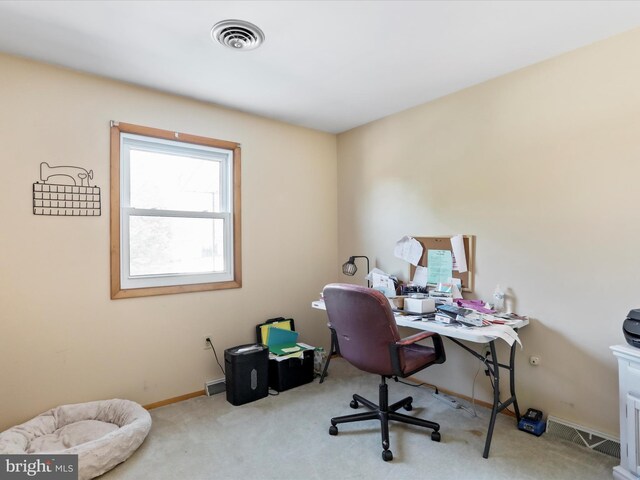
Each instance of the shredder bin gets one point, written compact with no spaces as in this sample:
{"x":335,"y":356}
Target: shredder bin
{"x":247,"y":373}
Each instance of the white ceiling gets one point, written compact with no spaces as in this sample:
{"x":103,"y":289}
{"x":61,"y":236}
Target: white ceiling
{"x":328,"y":65}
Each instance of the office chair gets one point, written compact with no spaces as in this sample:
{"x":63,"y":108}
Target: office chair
{"x":369,"y":340}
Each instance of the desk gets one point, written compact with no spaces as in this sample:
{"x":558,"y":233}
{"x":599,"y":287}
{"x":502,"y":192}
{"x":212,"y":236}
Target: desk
{"x":456,"y":334}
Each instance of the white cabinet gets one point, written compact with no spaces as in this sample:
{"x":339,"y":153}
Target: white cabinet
{"x":629,"y":398}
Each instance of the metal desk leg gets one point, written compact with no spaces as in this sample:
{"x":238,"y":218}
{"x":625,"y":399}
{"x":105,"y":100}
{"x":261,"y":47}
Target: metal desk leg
{"x":496,"y":398}
{"x":494,"y":371}
{"x":494,"y":367}
{"x":334,"y":349}
{"x":512,"y":378}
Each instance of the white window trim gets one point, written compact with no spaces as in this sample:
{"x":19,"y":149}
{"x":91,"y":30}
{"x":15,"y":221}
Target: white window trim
{"x":130,"y":141}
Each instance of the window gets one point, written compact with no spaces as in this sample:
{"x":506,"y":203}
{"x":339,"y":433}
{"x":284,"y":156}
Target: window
{"x":175,"y":212}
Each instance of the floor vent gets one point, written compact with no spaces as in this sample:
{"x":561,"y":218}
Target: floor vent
{"x":580,"y":435}
{"x":214,"y":387}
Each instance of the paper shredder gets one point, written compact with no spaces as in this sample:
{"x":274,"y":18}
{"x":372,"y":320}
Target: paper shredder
{"x":246,"y":370}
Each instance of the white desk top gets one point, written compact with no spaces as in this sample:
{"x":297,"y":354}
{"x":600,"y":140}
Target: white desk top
{"x":626,"y":351}
{"x":472,"y":334}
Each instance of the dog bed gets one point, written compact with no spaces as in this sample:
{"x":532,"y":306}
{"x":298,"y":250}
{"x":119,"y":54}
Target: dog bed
{"x":102,"y":434}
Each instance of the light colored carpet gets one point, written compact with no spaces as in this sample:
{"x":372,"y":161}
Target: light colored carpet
{"x":286,"y":437}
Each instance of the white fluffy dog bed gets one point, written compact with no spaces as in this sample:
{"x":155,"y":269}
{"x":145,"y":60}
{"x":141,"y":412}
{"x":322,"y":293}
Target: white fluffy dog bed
{"x":102,"y":434}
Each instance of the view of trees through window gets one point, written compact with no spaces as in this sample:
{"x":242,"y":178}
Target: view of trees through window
{"x":173,"y":245}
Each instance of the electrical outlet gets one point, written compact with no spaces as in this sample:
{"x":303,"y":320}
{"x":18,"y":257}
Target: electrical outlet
{"x":206,"y":345}
{"x":534,"y":360}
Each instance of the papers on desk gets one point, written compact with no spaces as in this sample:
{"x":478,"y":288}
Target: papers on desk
{"x":383,"y":282}
{"x":410,"y":318}
{"x":451,"y":289}
{"x":504,"y":332}
{"x":299,"y":353}
{"x":473,"y":334}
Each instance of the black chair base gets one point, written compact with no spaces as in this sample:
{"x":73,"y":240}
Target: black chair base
{"x":384,"y":412}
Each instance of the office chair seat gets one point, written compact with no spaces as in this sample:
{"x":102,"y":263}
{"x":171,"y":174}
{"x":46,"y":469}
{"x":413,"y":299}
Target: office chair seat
{"x":368,"y":337}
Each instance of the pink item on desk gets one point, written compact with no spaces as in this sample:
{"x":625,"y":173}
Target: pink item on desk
{"x":477,"y":305}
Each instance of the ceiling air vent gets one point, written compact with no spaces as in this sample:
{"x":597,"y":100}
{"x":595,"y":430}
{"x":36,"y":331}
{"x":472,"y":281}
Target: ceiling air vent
{"x":237,"y":34}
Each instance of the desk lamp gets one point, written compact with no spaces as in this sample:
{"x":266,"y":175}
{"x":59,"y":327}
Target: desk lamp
{"x":349,"y":267}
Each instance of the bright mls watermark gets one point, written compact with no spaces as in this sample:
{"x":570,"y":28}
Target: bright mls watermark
{"x":46,"y":466}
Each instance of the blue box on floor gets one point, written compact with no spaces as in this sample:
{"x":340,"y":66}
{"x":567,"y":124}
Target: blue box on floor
{"x":535,"y":427}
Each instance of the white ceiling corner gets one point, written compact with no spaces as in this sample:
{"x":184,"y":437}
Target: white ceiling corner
{"x":327,"y":65}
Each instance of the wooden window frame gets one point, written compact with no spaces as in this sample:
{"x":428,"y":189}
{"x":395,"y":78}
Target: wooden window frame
{"x":117,"y":292}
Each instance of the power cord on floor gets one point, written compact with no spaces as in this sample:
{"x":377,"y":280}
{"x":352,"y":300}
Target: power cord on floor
{"x":473,"y":411}
{"x":470,"y":411}
{"x":493,"y":386}
{"x":423,"y":384}
{"x":215,"y":355}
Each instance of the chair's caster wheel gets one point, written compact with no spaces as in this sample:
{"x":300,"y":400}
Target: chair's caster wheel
{"x":333,"y":430}
{"x":387,"y":455}
{"x":435,"y":436}
{"x":354,"y":404}
{"x":408,"y":407}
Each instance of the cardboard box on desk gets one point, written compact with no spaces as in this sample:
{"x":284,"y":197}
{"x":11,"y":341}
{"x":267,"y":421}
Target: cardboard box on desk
{"x":396,"y":302}
{"x":419,"y":305}
{"x":289,"y":370}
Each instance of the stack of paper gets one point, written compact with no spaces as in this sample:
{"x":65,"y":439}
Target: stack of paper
{"x":383,"y":282}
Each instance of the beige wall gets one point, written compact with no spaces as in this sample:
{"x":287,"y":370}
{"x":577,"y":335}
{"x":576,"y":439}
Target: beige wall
{"x":543,"y":165}
{"x":62,"y":339}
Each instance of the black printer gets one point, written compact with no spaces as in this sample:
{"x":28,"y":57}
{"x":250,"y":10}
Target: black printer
{"x":631,"y":328}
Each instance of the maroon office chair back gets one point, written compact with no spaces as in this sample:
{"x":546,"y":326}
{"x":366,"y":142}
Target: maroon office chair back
{"x":365,"y":326}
